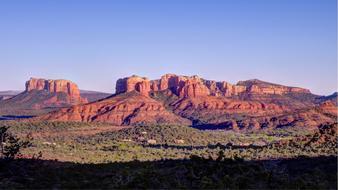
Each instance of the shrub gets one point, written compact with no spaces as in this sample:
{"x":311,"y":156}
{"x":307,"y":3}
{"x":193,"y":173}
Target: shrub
{"x":10,"y":145}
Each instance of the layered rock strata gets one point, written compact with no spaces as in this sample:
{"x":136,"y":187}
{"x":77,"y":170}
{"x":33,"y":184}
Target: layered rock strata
{"x":56,"y":86}
{"x":194,"y":86}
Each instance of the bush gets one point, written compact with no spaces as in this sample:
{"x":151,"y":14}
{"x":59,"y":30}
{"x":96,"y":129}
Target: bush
{"x":10,"y":145}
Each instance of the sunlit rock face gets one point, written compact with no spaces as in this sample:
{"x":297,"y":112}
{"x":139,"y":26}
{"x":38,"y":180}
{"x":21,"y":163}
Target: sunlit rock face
{"x":194,"y":86}
{"x":53,"y":86}
{"x":191,"y":100}
{"x":56,"y":86}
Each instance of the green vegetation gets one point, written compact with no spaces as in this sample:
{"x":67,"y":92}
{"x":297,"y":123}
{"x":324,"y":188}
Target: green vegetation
{"x":166,"y":96}
{"x":171,"y":157}
{"x":182,"y":135}
{"x":22,"y":127}
{"x":70,"y":141}
{"x":10,"y":145}
{"x":192,"y":173}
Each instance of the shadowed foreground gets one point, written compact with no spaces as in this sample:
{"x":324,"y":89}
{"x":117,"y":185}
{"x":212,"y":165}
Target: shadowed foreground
{"x":303,"y":173}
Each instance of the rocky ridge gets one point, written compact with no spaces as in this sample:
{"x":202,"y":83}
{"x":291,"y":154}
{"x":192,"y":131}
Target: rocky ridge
{"x":194,"y":86}
{"x":130,"y":108}
{"x":175,"y":99}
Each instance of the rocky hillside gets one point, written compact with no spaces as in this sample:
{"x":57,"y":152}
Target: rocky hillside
{"x":129,"y":108}
{"x":42,"y":95}
{"x":333,"y":98}
{"x":251,"y":104}
{"x":195,"y":87}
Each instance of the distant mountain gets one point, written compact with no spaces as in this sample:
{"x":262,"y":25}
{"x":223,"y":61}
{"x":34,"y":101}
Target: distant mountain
{"x":93,"y":96}
{"x":8,"y":94}
{"x":333,"y":98}
{"x":173,"y":99}
{"x":42,"y":96}
{"x":258,"y":86}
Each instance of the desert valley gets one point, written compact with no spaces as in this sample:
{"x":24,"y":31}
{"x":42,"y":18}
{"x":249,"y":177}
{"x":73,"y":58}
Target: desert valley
{"x":168,"y":94}
{"x":172,"y":132}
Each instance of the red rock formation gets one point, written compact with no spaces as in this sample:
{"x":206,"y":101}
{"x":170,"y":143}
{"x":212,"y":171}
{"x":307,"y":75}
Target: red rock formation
{"x":133,"y":83}
{"x":252,"y":115}
{"x":329,"y":107}
{"x":249,"y":104}
{"x":227,"y":89}
{"x":261,"y":87}
{"x":210,"y":106}
{"x":184,"y":86}
{"x":41,"y":96}
{"x":193,"y":87}
{"x":144,"y":87}
{"x":55,"y":86}
{"x":180,"y":85}
{"x":122,"y":109}
{"x":168,"y":81}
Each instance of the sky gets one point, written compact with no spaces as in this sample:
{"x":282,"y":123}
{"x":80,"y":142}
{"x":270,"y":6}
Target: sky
{"x":95,"y":42}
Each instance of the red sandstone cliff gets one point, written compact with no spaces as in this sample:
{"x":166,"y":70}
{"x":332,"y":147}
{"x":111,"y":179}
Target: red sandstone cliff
{"x":194,"y":86}
{"x":56,"y":86}
{"x":42,"y":95}
{"x":174,"y":99}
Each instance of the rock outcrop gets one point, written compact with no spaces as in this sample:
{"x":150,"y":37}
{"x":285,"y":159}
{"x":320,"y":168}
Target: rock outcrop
{"x":329,"y":107}
{"x":42,"y":95}
{"x":130,"y":108}
{"x":260,"y":118}
{"x":217,"y":110}
{"x":261,"y":87}
{"x":54,"y":86}
{"x":134,"y":83}
{"x":194,"y":86}
{"x":184,"y":100}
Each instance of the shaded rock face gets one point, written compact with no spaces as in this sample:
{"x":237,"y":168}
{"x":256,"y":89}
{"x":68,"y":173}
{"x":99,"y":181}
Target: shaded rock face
{"x":333,"y":98}
{"x":132,"y":83}
{"x":305,"y":119}
{"x":329,"y":107}
{"x":184,"y":86}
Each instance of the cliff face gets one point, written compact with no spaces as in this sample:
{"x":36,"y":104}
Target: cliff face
{"x":194,"y":86}
{"x":56,"y":86}
{"x":53,"y":86}
{"x":175,"y":99}
{"x":43,"y":94}
{"x":261,"y":87}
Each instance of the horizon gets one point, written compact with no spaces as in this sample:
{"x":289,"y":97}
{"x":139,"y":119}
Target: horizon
{"x":287,"y":42}
{"x":113,"y":92}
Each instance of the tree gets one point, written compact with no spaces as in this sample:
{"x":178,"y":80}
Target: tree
{"x":10,"y":145}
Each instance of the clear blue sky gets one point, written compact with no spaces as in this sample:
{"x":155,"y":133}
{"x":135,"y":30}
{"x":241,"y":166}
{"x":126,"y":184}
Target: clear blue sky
{"x":95,"y":42}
